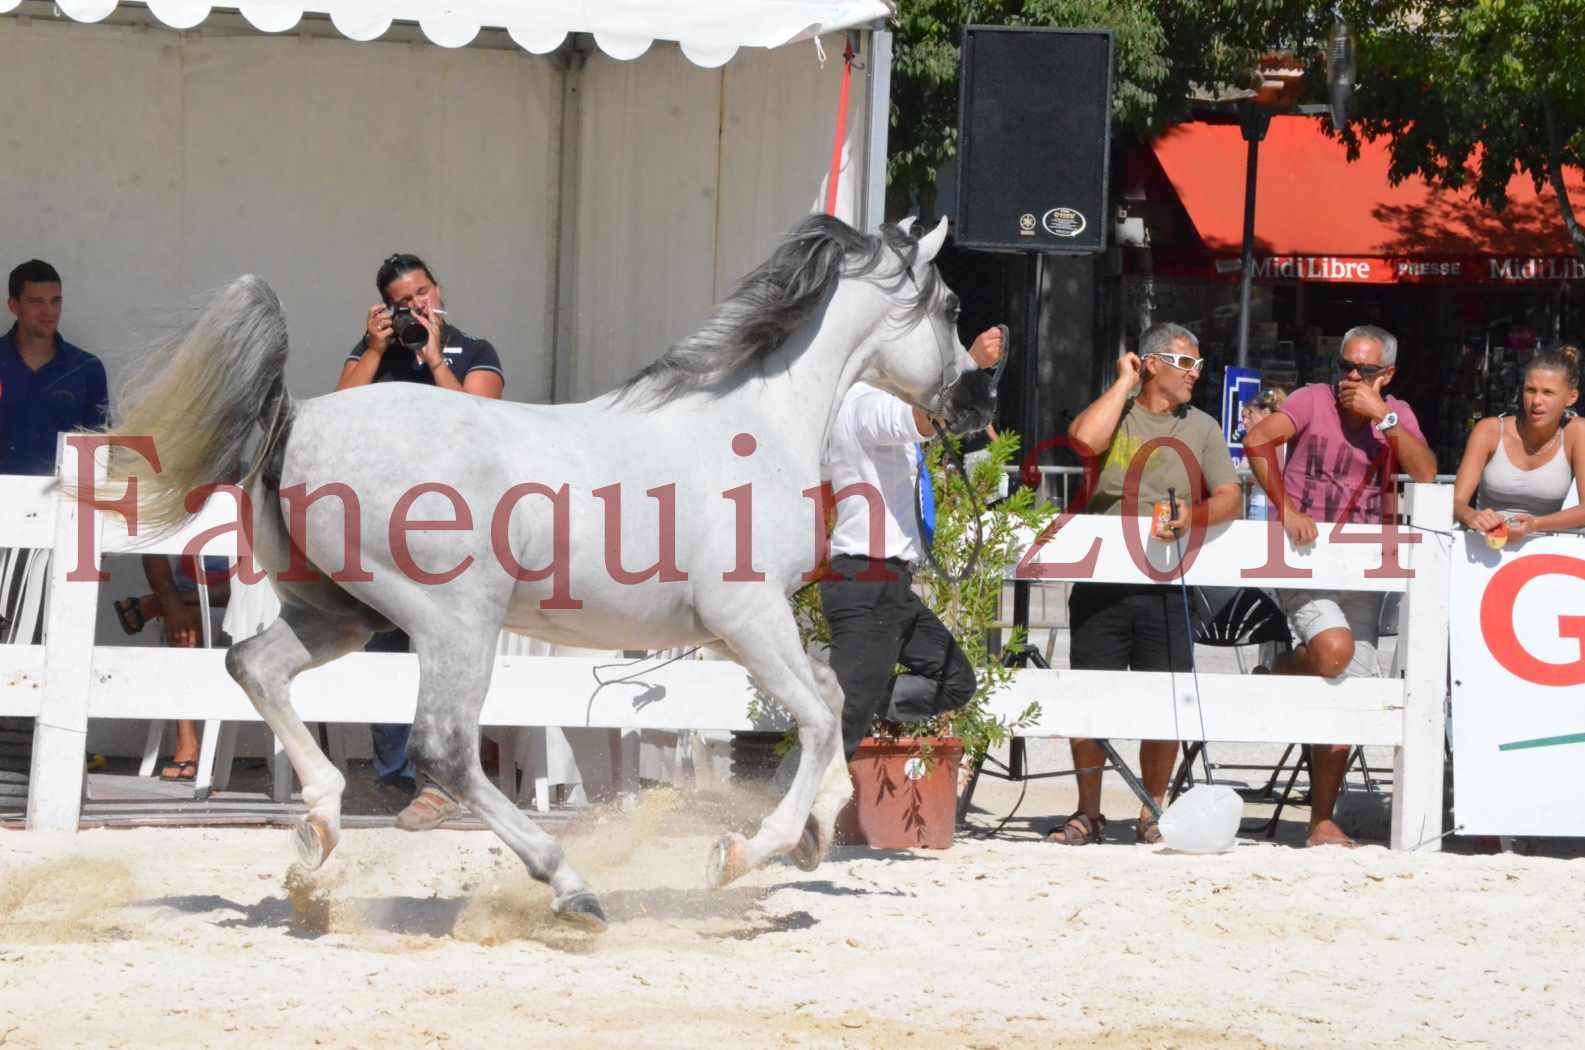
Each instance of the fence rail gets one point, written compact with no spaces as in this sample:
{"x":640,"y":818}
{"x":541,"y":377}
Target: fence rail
{"x":68,"y":680}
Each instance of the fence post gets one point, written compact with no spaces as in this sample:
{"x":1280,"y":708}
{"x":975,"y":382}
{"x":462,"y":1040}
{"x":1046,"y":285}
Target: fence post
{"x":1419,"y":763}
{"x":60,"y":737}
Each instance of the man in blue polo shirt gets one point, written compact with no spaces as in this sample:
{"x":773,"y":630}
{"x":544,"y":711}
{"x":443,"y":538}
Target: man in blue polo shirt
{"x":451,"y":359}
{"x":47,"y":385}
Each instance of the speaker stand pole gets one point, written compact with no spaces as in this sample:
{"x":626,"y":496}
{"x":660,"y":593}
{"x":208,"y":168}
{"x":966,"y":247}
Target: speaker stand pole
{"x":1029,"y":387}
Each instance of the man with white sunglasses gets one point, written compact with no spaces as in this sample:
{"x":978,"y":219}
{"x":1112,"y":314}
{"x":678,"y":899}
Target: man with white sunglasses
{"x":1144,"y":627}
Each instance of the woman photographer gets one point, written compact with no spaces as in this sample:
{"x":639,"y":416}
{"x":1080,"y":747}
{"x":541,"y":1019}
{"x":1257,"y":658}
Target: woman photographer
{"x":412,"y":305}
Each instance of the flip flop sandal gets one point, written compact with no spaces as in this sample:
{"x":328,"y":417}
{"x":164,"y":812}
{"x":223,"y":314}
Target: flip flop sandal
{"x":130,"y":612}
{"x":184,"y":771}
{"x":1148,"y":831}
{"x":1078,"y":830}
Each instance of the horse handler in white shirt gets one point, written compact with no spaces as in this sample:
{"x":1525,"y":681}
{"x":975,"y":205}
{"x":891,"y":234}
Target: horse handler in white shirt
{"x":877,"y":621}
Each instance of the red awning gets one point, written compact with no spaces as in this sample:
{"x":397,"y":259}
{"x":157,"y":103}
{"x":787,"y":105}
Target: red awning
{"x":1319,"y":217}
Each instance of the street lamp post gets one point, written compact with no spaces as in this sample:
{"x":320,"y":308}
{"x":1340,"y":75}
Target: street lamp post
{"x":1253,"y":121}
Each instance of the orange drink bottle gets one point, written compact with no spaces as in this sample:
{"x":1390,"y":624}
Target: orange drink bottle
{"x":1162,"y":519}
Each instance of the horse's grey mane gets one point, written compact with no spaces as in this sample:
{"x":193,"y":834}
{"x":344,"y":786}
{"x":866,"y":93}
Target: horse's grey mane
{"x":770,"y":303}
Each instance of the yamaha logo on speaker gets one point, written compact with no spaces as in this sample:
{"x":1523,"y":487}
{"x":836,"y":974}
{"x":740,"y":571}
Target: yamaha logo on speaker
{"x":1063,"y":222}
{"x":1026,"y":224}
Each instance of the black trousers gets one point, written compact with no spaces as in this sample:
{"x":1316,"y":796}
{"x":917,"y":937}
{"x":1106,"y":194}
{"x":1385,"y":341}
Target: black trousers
{"x":876,"y":625}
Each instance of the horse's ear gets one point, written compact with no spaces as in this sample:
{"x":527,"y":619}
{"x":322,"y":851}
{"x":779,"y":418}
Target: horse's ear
{"x":906,"y":224}
{"x":929,"y":245}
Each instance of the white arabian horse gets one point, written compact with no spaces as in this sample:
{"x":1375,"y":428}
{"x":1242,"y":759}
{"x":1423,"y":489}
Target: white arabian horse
{"x":702,"y":468}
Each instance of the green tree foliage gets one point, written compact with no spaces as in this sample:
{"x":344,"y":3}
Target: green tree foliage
{"x":1471,"y":91}
{"x":1164,"y":51}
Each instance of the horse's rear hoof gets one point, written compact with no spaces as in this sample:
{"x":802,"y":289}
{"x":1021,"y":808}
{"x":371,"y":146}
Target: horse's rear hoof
{"x":728,"y":860}
{"x":581,"y":909}
{"x":313,"y":839}
{"x":809,"y":852}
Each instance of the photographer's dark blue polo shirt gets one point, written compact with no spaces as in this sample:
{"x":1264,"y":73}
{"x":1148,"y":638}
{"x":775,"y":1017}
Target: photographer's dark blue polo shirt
{"x":67,"y":393}
{"x":463,"y":353}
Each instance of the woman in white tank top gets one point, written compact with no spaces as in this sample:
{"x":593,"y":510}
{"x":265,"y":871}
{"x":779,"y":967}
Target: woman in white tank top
{"x":1525,"y":465}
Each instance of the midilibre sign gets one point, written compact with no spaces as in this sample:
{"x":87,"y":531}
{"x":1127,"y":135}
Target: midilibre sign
{"x":1381,"y":269}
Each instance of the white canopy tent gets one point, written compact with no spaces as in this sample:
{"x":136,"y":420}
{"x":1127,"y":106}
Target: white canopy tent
{"x":709,"y":32}
{"x":586,"y":178}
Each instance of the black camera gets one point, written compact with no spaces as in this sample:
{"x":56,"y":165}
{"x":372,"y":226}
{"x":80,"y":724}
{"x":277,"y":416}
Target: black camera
{"x":406,"y":330}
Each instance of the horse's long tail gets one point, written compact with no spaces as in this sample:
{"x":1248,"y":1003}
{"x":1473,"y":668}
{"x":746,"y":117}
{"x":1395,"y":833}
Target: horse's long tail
{"x":199,"y":397}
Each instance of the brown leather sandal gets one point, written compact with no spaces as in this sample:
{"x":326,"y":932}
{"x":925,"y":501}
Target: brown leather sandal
{"x":1148,"y":831}
{"x":1078,"y":830}
{"x":129,"y":612}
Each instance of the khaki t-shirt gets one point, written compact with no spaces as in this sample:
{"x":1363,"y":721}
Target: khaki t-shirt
{"x":1201,"y":439}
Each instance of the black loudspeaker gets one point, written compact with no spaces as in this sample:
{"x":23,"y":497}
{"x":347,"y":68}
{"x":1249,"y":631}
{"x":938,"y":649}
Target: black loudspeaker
{"x":1034,"y":130}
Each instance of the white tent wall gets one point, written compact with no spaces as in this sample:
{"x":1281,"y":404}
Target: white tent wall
{"x":688,"y":178}
{"x":149,"y":166}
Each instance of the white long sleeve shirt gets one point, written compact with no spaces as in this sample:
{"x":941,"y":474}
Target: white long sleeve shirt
{"x":872,"y":443}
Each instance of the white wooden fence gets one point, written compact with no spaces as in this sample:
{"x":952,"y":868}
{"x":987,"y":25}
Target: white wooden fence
{"x":1405,"y":712}
{"x":68,"y":680}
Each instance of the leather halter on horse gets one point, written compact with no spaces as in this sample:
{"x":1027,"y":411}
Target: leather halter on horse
{"x":989,"y":381}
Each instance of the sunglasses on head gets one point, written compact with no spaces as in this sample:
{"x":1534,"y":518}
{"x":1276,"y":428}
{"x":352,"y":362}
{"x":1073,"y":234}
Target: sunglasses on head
{"x":1345,"y":366}
{"x":1182,"y":362}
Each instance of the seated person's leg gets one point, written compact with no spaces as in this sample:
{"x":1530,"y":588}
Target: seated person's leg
{"x":1163,"y":641}
{"x":1323,"y":642}
{"x":391,"y":764}
{"x":1323,"y":623}
{"x":175,"y":601}
{"x":1100,"y":639}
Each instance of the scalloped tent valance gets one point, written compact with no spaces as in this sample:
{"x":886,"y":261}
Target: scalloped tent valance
{"x":708,"y":31}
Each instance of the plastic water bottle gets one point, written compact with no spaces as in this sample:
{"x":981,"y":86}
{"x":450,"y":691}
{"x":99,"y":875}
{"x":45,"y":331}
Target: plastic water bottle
{"x":1203,"y":820}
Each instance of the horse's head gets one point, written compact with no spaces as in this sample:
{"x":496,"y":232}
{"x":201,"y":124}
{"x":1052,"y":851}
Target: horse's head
{"x":918,"y":355}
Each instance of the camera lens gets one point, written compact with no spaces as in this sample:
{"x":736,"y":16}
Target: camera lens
{"x":408,"y":332}
{"x":413,"y":337}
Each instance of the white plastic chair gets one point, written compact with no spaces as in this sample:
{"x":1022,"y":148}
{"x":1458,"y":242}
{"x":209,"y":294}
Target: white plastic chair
{"x":549,"y":756}
{"x":25,"y":572}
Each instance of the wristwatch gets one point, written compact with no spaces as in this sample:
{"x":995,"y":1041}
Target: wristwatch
{"x":1388,"y":421}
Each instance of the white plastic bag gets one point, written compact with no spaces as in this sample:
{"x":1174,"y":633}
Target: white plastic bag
{"x":1203,"y":820}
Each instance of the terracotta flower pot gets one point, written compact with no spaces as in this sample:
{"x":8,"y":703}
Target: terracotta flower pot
{"x":902,"y":800}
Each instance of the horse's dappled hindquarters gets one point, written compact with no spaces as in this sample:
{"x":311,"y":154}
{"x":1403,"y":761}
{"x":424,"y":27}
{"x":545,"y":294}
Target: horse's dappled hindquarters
{"x":546,"y":522}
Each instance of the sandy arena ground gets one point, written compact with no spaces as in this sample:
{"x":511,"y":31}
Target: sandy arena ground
{"x":196,"y":937}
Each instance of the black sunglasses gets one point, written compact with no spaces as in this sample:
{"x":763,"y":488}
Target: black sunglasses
{"x":1345,"y":366}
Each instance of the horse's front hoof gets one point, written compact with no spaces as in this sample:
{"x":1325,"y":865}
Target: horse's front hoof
{"x":810,"y":850}
{"x":313,"y":839}
{"x":581,"y":909}
{"x":728,"y":860}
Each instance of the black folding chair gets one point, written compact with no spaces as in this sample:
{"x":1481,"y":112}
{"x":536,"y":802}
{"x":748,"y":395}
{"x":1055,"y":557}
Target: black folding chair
{"x":1238,"y":616}
{"x":1230,"y":617}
